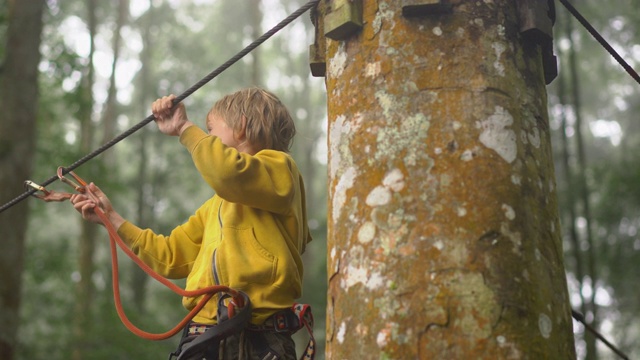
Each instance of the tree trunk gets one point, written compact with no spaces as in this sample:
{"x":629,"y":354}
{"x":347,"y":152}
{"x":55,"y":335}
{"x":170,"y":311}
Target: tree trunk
{"x":444,"y":240}
{"x":256,"y":30}
{"x":109,"y":112}
{"x":570,"y":192}
{"x":86,"y":243}
{"x":144,"y":212}
{"x":19,"y":104}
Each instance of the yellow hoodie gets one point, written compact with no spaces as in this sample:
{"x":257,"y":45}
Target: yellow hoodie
{"x":248,"y":236}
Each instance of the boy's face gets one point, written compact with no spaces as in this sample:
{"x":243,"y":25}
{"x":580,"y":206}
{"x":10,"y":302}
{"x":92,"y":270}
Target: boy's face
{"x":218,"y":127}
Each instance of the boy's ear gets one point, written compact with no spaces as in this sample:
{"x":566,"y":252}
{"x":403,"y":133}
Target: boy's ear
{"x":242,"y":133}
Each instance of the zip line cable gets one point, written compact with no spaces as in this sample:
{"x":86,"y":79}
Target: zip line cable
{"x":576,"y":315}
{"x":601,"y":40}
{"x":178,"y":99}
{"x":257,"y":43}
{"x":580,"y":318}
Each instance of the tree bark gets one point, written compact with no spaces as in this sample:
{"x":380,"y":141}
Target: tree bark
{"x":144,"y":213}
{"x":444,"y":239}
{"x":19,"y":104}
{"x":255,"y":14}
{"x":86,"y":242}
{"x":109,"y":112}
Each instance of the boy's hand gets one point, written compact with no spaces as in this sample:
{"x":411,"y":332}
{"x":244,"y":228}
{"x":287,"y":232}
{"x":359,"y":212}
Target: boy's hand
{"x":171,"y":120}
{"x":85,"y":206}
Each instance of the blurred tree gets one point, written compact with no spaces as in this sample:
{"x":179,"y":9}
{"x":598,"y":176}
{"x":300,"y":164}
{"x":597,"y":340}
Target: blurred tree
{"x":584,"y":254}
{"x":84,"y":295}
{"x":19,"y":101}
{"x":596,"y":99}
{"x":174,"y":45}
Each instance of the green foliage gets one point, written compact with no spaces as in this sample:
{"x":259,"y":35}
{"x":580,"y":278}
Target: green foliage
{"x":608,"y":96}
{"x":185,"y":41}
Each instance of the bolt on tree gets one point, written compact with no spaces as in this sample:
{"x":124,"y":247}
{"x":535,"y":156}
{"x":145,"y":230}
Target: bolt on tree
{"x":444,"y":239}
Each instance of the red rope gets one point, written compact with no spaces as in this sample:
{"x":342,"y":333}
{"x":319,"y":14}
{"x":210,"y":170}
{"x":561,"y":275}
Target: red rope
{"x":208,"y":292}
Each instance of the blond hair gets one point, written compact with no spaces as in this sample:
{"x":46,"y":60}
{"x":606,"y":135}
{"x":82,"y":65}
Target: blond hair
{"x":267,"y":124}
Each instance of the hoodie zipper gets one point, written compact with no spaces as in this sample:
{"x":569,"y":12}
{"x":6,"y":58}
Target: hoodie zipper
{"x":216,"y":278}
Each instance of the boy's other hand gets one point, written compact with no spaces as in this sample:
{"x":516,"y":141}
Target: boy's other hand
{"x":85,"y":206}
{"x":172,"y":120}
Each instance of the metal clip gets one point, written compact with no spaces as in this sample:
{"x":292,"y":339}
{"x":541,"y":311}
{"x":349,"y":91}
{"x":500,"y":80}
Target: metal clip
{"x":50,"y":195}
{"x":79,"y":188}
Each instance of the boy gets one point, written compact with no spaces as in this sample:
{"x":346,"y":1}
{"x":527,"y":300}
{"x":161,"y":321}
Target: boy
{"x":249,"y":235}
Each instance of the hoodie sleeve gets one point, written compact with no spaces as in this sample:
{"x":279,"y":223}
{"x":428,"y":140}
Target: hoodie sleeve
{"x":171,"y":256}
{"x":264,"y":181}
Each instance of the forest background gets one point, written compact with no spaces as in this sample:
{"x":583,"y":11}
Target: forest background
{"x":89,"y":94}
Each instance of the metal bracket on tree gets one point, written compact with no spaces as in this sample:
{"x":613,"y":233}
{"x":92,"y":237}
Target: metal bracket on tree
{"x":417,"y":8}
{"x":536,"y":24}
{"x":317,"y":50}
{"x":343,"y":19}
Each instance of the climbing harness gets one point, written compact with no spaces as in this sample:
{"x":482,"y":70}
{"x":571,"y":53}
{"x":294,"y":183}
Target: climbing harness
{"x":200,"y":340}
{"x":240,"y":306}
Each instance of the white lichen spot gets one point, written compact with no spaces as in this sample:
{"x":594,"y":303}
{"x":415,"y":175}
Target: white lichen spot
{"x":341,"y":332}
{"x":467,"y":155}
{"x":339,"y":128}
{"x":372,"y":69}
{"x":383,"y":338}
{"x":379,"y":196}
{"x":501,"y":30}
{"x":386,"y":101}
{"x":338,"y":62}
{"x":478,"y":22}
{"x":516,"y":179}
{"x":508,"y":212}
{"x":394,"y":180}
{"x":384,"y":14}
{"x":333,"y":253}
{"x":457,"y":125}
{"x":340,"y":195}
{"x":355,"y":275}
{"x":437,"y":31}
{"x":515,"y":238}
{"x":501,"y":339}
{"x":538,"y":255}
{"x":461,"y":211}
{"x":499,"y":48}
{"x":534,"y":137}
{"x":367,"y":232}
{"x":360,"y":275}
{"x":496,"y":136}
{"x":375,"y":281}
{"x":545,"y":325}
{"x":439,"y":245}
{"x":437,"y":151}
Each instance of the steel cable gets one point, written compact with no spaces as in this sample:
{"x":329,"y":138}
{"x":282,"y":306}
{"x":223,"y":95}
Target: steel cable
{"x":178,"y":99}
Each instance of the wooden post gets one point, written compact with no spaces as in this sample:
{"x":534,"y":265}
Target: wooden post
{"x":444,"y":239}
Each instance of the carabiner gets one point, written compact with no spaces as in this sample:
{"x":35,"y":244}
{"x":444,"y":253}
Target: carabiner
{"x":76,"y":187}
{"x":48,"y":195}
